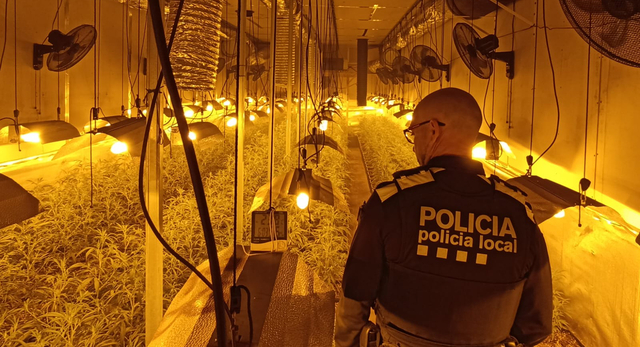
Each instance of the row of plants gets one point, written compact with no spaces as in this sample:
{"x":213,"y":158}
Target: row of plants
{"x":384,"y":148}
{"x":74,"y":274}
{"x":385,"y":151}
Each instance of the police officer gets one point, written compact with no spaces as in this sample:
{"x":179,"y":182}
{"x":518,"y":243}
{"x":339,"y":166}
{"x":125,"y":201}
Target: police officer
{"x":445,"y":255}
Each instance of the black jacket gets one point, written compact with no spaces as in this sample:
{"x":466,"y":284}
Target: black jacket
{"x":452,"y":256}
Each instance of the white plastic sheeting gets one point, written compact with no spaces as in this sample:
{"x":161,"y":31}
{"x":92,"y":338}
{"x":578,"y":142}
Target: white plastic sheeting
{"x":597,"y":267}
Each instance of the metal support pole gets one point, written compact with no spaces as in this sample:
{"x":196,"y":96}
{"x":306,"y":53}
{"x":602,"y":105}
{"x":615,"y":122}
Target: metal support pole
{"x":153,"y":181}
{"x":241,"y":92}
{"x":272,"y":71}
{"x":289,"y":80}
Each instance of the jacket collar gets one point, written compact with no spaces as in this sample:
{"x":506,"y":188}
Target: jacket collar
{"x":447,"y":162}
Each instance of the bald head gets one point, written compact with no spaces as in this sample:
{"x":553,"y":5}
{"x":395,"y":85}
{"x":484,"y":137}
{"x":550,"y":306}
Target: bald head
{"x":461,"y":116}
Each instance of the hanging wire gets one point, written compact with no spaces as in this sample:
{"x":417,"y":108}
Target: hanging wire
{"x":553,"y":79}
{"x":533,"y":91}
{"x":59,"y":2}
{"x":4,"y":41}
{"x":16,"y":112}
{"x":15,"y":53}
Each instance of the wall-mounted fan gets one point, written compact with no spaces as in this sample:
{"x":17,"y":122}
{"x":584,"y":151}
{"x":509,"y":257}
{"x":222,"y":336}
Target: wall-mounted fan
{"x":478,"y":53}
{"x":428,"y":64}
{"x":403,"y":70}
{"x":615,"y":26}
{"x":65,"y":51}
{"x":388,"y":55}
{"x":386,"y":75}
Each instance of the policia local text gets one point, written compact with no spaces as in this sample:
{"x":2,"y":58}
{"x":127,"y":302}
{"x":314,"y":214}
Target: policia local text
{"x":492,"y":230}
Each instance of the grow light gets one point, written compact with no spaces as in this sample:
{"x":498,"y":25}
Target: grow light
{"x":119,"y":148}
{"x":479,"y":151}
{"x":50,"y":131}
{"x":16,"y":204}
{"x":232,"y":121}
{"x":32,"y":137}
{"x":302,"y":201}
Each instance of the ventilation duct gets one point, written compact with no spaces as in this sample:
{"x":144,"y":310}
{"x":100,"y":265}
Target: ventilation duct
{"x":196,"y":47}
{"x":283,"y":49}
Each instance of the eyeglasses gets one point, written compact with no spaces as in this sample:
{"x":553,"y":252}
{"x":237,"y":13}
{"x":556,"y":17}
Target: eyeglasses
{"x":408,"y":132}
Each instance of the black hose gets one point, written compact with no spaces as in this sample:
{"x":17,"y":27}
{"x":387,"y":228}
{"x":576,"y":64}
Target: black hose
{"x":143,"y":155}
{"x":196,"y":179}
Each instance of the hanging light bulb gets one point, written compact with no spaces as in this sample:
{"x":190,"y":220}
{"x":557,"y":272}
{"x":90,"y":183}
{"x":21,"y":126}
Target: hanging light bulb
{"x":302,"y":200}
{"x":479,"y":151}
{"x":231,"y":122}
{"x":226,"y":103}
{"x":129,"y":112}
{"x":144,"y":112}
{"x":31,"y":137}
{"x":324,"y":125}
{"x":409,"y":116}
{"x":250,"y":100}
{"x":559,"y":214}
{"x":119,"y":148}
{"x":268,"y":110}
{"x":188,"y":112}
{"x":252,"y":117}
{"x":209,"y":108}
{"x":192,"y":135}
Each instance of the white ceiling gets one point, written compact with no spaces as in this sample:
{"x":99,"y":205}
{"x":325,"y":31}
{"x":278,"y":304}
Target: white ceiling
{"x":355,"y":16}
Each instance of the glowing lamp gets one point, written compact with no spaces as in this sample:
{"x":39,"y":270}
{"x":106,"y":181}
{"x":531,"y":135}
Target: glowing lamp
{"x":226,"y":103}
{"x":559,"y":214}
{"x":189,"y":113}
{"x":231,"y":122}
{"x":251,"y":117}
{"x":369,"y":108}
{"x":209,"y":108}
{"x":31,"y":137}
{"x":119,"y":148}
{"x":479,"y":151}
{"x":381,"y":111}
{"x":324,"y":125}
{"x":192,"y":135}
{"x":302,"y":200}
{"x":409,"y":116}
{"x":144,"y":112}
{"x":250,"y":100}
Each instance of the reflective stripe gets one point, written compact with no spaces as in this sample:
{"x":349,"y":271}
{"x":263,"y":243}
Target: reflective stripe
{"x":516,"y":195}
{"x":387,"y":191}
{"x":416,"y":179}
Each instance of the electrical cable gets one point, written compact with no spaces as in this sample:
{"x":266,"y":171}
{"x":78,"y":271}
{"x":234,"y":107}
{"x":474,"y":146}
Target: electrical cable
{"x":553,"y":79}
{"x":4,"y":42}
{"x":533,"y":92}
{"x":214,"y":266}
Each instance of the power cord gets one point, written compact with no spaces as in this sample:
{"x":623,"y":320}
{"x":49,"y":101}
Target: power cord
{"x":214,"y":266}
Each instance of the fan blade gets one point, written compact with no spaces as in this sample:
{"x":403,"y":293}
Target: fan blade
{"x":615,"y":33}
{"x":592,"y":6}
